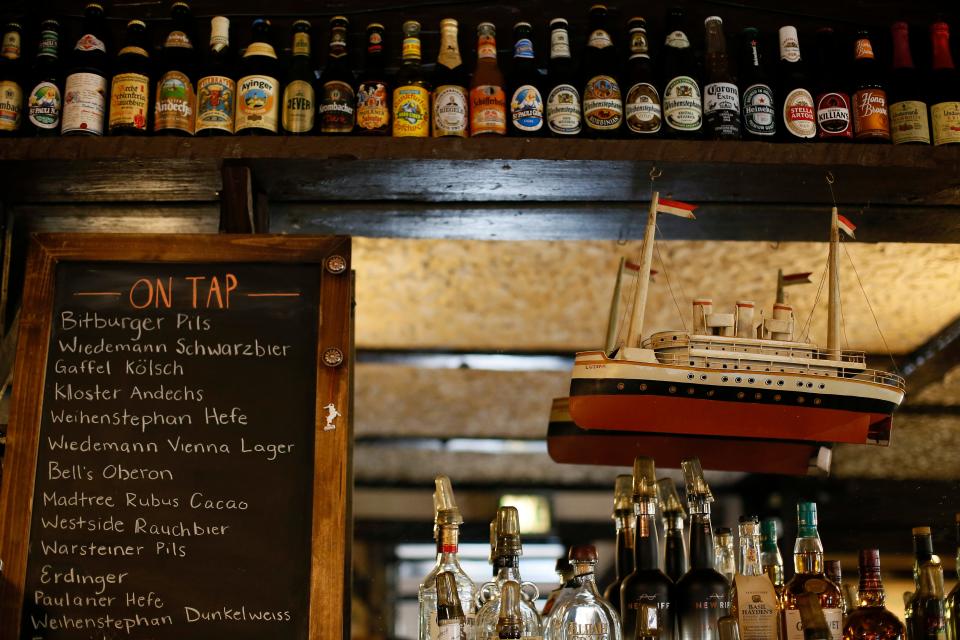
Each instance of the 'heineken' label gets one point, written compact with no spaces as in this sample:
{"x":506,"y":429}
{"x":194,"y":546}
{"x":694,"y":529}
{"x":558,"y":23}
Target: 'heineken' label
{"x":488,"y":110}
{"x":11,"y":105}
{"x":450,"y":111}
{"x":526,"y":108}
{"x":298,"y":107}
{"x":84,"y":103}
{"x":216,"y":102}
{"x":372,"y":111}
{"x":257,"y":103}
{"x":946,"y":122}
{"x":563,"y":110}
{"x":602,"y":104}
{"x":43,"y":106}
{"x":798,"y":115}
{"x":642,"y":108}
{"x":337,"y":107}
{"x":411,"y":112}
{"x":175,"y":103}
{"x":129,"y":101}
{"x":683,"y":104}
{"x":833,"y":115}
{"x":721,"y":109}
{"x":909,"y":123}
{"x":759,"y":116}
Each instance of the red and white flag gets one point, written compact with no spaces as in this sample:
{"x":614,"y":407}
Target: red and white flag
{"x":846,"y":226}
{"x":675,"y":208}
{"x":796,"y":278}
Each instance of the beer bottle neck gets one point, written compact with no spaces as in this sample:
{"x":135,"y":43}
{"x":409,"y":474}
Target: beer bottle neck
{"x":523,"y":49}
{"x":646,"y":543}
{"x":301,"y":44}
{"x":702,"y":549}
{"x":338,"y":42}
{"x":559,"y":44}
{"x":219,"y":34}
{"x":411,"y":50}
{"x":49,"y":44}
{"x":940,"y":38}
{"x":901,"y":47}
{"x":863,"y":49}
{"x":638,"y":43}
{"x":486,"y":47}
{"x":449,"y":55}
{"x":11,"y":45}
{"x":871,"y":593}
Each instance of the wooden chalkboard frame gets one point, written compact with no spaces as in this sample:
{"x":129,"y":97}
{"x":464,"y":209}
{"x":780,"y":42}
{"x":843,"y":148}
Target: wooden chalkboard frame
{"x":331,"y":520}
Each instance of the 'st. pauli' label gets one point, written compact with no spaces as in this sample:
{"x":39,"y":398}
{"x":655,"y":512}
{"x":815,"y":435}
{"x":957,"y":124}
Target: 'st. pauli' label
{"x":642,"y":108}
{"x":450,"y":111}
{"x":759,"y":115}
{"x":85,"y":103}
{"x":11,"y":105}
{"x":833,"y":116}
{"x":602,"y":104}
{"x":216,"y":102}
{"x":372,"y":110}
{"x":129,"y":101}
{"x":175,"y":103}
{"x":298,"y":107}
{"x":683,"y":104}
{"x":798,"y":114}
{"x":43,"y":106}
{"x":526,"y":108}
{"x":488,"y":110}
{"x":563,"y":110}
{"x":794,"y":625}
{"x":946,"y":122}
{"x":870,"y":116}
{"x":337,"y":107}
{"x":411,"y":112}
{"x":257,"y":103}
{"x":721,"y":108}
{"x":909,"y":122}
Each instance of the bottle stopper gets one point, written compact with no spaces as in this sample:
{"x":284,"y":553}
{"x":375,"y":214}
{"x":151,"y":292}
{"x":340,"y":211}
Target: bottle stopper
{"x":623,"y":495}
{"x":508,"y":531}
{"x":644,"y":480}
{"x":670,"y":501}
{"x":445,"y":504}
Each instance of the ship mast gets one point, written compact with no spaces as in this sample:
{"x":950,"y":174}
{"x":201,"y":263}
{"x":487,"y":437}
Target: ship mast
{"x":635,"y":327}
{"x":781,"y":297}
{"x":833,"y":301}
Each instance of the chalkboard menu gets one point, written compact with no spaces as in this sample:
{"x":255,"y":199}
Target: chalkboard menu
{"x":176,"y":444}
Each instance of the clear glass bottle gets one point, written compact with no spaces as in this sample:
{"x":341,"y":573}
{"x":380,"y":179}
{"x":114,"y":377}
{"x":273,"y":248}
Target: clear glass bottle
{"x":625,"y":521}
{"x":835,"y":575}
{"x":726,"y":559}
{"x":721,"y":96}
{"x":451,"y":623}
{"x":953,"y":600}
{"x":753,"y":602}
{"x":510,"y":620}
{"x":583,"y":613}
{"x":675,"y":554}
{"x":770,"y":559}
{"x":871,"y":620}
{"x":565,"y":572}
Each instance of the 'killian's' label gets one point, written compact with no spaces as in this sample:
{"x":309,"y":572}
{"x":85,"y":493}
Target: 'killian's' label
{"x":833,"y":115}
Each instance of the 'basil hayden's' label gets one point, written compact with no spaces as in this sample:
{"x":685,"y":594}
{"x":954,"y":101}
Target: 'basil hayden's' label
{"x":563,"y":110}
{"x":642,"y":108}
{"x":798,"y":115}
{"x":759,"y":116}
{"x":526,"y":108}
{"x":721,"y":108}
{"x":683,"y":104}
{"x":602,"y":104}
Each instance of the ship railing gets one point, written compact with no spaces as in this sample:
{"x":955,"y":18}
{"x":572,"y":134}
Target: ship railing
{"x":729,"y":348}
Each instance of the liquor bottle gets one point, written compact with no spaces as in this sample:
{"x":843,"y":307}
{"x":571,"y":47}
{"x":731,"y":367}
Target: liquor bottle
{"x":809,"y":577}
{"x":373,"y":98}
{"x":756,"y":94}
{"x":338,"y":101}
{"x":216,"y":86}
{"x":583,"y":613}
{"x":675,"y":553}
{"x":682,"y":98}
{"x":451,"y":623}
{"x":510,"y":620}
{"x":908,"y":106}
{"x":411,"y":96}
{"x":451,"y":111}
{"x":45,"y":101}
{"x":721,"y":98}
{"x":871,"y":118}
{"x":645,"y":594}
{"x":945,"y":88}
{"x":922,"y":553}
{"x":11,"y":80}
{"x":85,"y":92}
{"x":927,"y":609}
{"x":564,"y":571}
{"x":834,"y":122}
{"x":871,"y":620}
{"x":702,"y":596}
{"x":953,"y":599}
{"x":834,"y":573}
{"x":447,"y":523}
{"x":797,"y":109}
{"x":726,"y":560}
{"x":176,"y":100}
{"x":625,"y":521}
{"x":488,"y":101}
{"x":813,"y":619}
{"x":562,"y":111}
{"x":770,"y":559}
{"x":642,"y":109}
{"x":602,"y":99}
{"x":299,"y":96}
{"x":258,"y":89}
{"x":729,"y":628}
{"x":526,"y":99}
{"x":130,"y":87}
{"x":753,"y":600}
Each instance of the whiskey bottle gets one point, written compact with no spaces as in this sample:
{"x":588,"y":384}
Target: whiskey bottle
{"x":753,"y":601}
{"x":488,"y":99}
{"x":625,"y":521}
{"x":44,"y":101}
{"x":411,"y":96}
{"x":871,"y":620}
{"x":451,"y":623}
{"x":258,"y":90}
{"x":809,"y":578}
{"x":726,"y":561}
{"x":928,"y":609}
{"x":86,"y":84}
{"x":563,"y":114}
{"x":871,"y":116}
{"x":451,"y":101}
{"x":834,"y":573}
{"x":583,"y":613}
{"x":721,"y":97}
{"x":11,"y":80}
{"x":373,"y":98}
{"x":812,"y":618}
{"x":945,"y":92}
{"x":602,"y":99}
{"x":564,"y":571}
{"x":173,"y":113}
{"x":526,"y":98}
{"x":641,"y":106}
{"x":510,"y":620}
{"x":299,"y":96}
{"x":217,"y":85}
{"x":797,"y":106}
{"x":682,"y":99}
{"x":130,"y":86}
{"x":338,"y":102}
{"x":922,"y":553}
{"x":909,"y":123}
{"x":770,"y":559}
{"x":953,"y":599}
{"x":675,"y":554}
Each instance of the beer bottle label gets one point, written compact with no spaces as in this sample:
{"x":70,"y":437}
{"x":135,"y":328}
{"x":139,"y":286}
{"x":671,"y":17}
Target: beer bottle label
{"x":11,"y":45}
{"x":216,"y":101}
{"x":450,"y":111}
{"x":526,"y":108}
{"x":337,"y":107}
{"x":129,"y":101}
{"x":759,"y":116}
{"x":178,"y":40}
{"x":43,"y":106}
{"x":11,"y":105}
{"x":523,"y":49}
{"x":298,"y":107}
{"x":372,"y":111}
{"x":946,"y":122}
{"x":90,"y":42}
{"x":175,"y":103}
{"x":599,"y":39}
{"x":721,"y":108}
{"x":559,"y":43}
{"x":488,"y":110}
{"x":301,"y":44}
{"x":833,"y":116}
{"x":602,"y":104}
{"x":909,"y":122}
{"x":257,"y":106}
{"x":870,"y":116}
{"x":798,"y":115}
{"x":563,"y":110}
{"x":411,"y":48}
{"x":85,"y":103}
{"x":411,"y":112}
{"x":794,"y":625}
{"x":677,"y":40}
{"x":683,"y":104}
{"x":642,"y":108}
{"x":49,"y":43}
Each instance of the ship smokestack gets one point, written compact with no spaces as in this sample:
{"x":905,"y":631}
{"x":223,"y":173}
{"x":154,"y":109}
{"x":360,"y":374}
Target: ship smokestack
{"x":744,"y":319}
{"x":783,"y":312}
{"x":702,"y":308}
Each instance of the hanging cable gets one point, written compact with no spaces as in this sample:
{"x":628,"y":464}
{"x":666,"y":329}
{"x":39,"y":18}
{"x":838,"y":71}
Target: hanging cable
{"x":666,"y":275}
{"x":883,"y":338}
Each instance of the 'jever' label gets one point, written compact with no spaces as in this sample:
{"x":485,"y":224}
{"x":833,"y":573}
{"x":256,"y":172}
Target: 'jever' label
{"x":642,"y":108}
{"x":216,"y":102}
{"x":337,"y":107}
{"x":833,"y":115}
{"x":85,"y":103}
{"x":298,"y":107}
{"x":946,"y":122}
{"x":794,"y":625}
{"x":526,"y":108}
{"x":909,"y":122}
{"x":43,"y":106}
{"x":563,"y":110}
{"x":257,"y":103}
{"x":602,"y":104}
{"x":683,"y":104}
{"x":759,"y":115}
{"x":11,"y":105}
{"x":450,"y":111}
{"x":488,"y":110}
{"x":175,"y":103}
{"x":870,"y":116}
{"x":129,"y":101}
{"x":372,"y":111}
{"x":798,"y":116}
{"x":411,"y":112}
{"x":721,"y":108}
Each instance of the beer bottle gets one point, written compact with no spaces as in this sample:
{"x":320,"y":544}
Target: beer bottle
{"x":130,"y":86}
{"x":721,"y":97}
{"x":176,"y":99}
{"x":832,"y":100}
{"x":338,"y":102}
{"x":11,"y":80}
{"x":642,"y":105}
{"x":44,"y":100}
{"x":944,"y":88}
{"x":217,"y":87}
{"x":373,"y":99}
{"x":450,"y":97}
{"x":85,"y":93}
{"x":797,"y":111}
{"x":526,"y":100}
{"x":871,"y":119}
{"x":682,"y":99}
{"x":299,"y":99}
{"x":488,"y":101}
{"x":563,"y":114}
{"x":258,"y":89}
{"x":411,"y":96}
{"x":908,"y":106}
{"x":602,"y":99}
{"x":757,"y":103}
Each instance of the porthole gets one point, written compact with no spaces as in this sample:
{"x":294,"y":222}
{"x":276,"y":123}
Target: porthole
{"x":643,"y":386}
{"x":689,"y":376}
{"x":801,"y":400}
{"x":673,"y":337}
{"x":779,"y":383}
{"x":800,"y":384}
{"x":757,"y":396}
{"x":809,"y":385}
{"x":740,"y":395}
{"x":817,"y":401}
{"x":691,"y":363}
{"x":776,"y":397}
{"x":768,"y":382}
{"x":724,"y":379}
{"x":823,"y":386}
{"x":703,"y":377}
{"x":738,"y":379}
{"x":710,"y":393}
{"x":750,"y":380}
{"x":690,"y":391}
{"x":620,"y":386}
{"x":724,"y":366}
{"x":672,"y":389}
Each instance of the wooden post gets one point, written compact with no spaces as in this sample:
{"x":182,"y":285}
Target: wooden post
{"x":613,"y":321}
{"x":635,"y":332}
{"x":243,"y":207}
{"x":833,"y":301}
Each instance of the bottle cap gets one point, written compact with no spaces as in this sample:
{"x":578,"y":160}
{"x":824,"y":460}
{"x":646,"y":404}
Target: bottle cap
{"x":869,"y":560}
{"x":921,"y":531}
{"x":583,"y":553}
{"x":637,"y":22}
{"x":598,"y":7}
{"x":444,"y":503}
{"x":713,"y":19}
{"x":644,"y":479}
{"x":670,"y":501}
{"x":696,"y":485}
{"x":411,"y":27}
{"x":743,"y":519}
{"x":303,"y":23}
{"x":750,"y":32}
{"x":448,"y":22}
{"x":486,"y":26}
{"x":724,"y":531}
{"x":558,"y":21}
{"x":623,"y":494}
{"x":807,"y":514}
{"x":179,"y":5}
{"x":508,"y":531}
{"x":342,"y":19}
{"x":93,"y":5}
{"x":447,"y":590}
{"x":374,"y":25}
{"x":137,"y":23}
{"x":522,"y":25}
{"x":833,"y":570}
{"x":510,"y":603}
{"x":749,"y":526}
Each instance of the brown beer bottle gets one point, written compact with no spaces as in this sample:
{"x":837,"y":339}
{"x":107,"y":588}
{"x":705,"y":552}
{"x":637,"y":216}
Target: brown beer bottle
{"x":944,"y":88}
{"x":908,"y":107}
{"x":488,"y":100}
{"x":176,"y":100}
{"x":832,"y":98}
{"x":11,"y":81}
{"x":602,"y":98}
{"x":338,"y":101}
{"x":871,"y":118}
{"x":130,"y":87}
{"x":797,"y":110}
{"x":721,"y":97}
{"x":373,"y":98}
{"x":642,"y":105}
{"x":298,"y":109}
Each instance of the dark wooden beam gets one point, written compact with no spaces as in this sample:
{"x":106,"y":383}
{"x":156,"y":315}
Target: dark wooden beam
{"x":929,"y":363}
{"x":243,"y":206}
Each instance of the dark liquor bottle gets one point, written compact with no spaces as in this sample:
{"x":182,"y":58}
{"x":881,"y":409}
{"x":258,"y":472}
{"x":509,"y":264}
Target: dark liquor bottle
{"x":563,"y":114}
{"x":871,"y":620}
{"x":258,"y":90}
{"x":130,"y":87}
{"x":411,"y":97}
{"x":770,"y":559}
{"x":602,"y":99}
{"x":702,"y":596}
{"x":682,"y":98}
{"x":721,"y":98}
{"x":645,"y":594}
{"x":451,"y":100}
{"x":756,"y":94}
{"x":642,"y":108}
{"x":753,"y":601}
{"x":834,"y":573}
{"x":45,"y":101}
{"x":509,"y":620}
{"x":11,"y":80}
{"x":451,"y":623}
{"x":871,"y":117}
{"x":625,"y":521}
{"x":922,"y":553}
{"x":526,"y":99}
{"x":176,"y":99}
{"x":833,"y":101}
{"x":85,"y":92}
{"x":337,"y":98}
{"x":299,"y":96}
{"x":908,"y":106}
{"x":216,"y":86}
{"x":797,"y":110}
{"x":944,"y":88}
{"x":488,"y":99}
{"x":373,"y":97}
{"x":927,"y":609}
{"x":675,"y":554}
{"x":953,"y":599}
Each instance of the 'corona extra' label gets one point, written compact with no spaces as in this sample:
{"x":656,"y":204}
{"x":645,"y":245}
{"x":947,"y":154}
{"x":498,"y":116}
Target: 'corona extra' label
{"x":216,"y":102}
{"x":642,"y":108}
{"x":43,"y":106}
{"x":11,"y":105}
{"x":563,"y":110}
{"x":298,"y":107}
{"x":602,"y":104}
{"x":411,"y":112}
{"x":129,"y":101}
{"x":526,"y":108}
{"x":488,"y":110}
{"x":257,"y":103}
{"x":84,"y":103}
{"x":798,"y":114}
{"x":909,"y":122}
{"x":871,"y":119}
{"x":338,"y":106}
{"x":759,"y":115}
{"x":683,"y":104}
{"x":721,"y":109}
{"x":175,"y":103}
{"x":946,"y":122}
{"x":372,"y":111}
{"x":450,"y":111}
